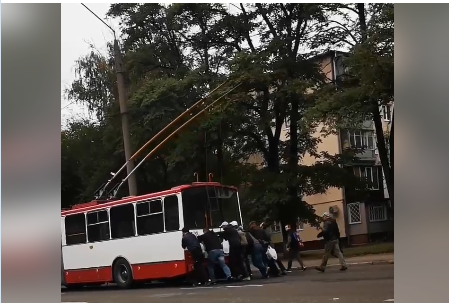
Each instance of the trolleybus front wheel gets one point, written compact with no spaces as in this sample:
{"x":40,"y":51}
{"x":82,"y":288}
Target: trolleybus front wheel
{"x":123,"y":275}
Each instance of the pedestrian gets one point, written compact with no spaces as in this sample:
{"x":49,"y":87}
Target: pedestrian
{"x":330,"y":234}
{"x":264,"y":240}
{"x":293,"y":246}
{"x":231,"y":235}
{"x":280,"y":265}
{"x":215,"y":254}
{"x":191,"y":243}
{"x":339,"y":242}
{"x":255,"y":249}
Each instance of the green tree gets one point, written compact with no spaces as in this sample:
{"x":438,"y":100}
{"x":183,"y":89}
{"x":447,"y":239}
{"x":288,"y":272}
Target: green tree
{"x":176,"y":53}
{"x":369,"y":82}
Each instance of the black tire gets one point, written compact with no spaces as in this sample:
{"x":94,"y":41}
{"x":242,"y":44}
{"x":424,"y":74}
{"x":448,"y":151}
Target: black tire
{"x":122,"y":273}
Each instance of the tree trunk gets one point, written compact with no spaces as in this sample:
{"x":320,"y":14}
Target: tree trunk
{"x":382,"y":148}
{"x":381,"y":145}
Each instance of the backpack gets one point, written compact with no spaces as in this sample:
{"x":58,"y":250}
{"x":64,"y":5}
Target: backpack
{"x":243,"y":240}
{"x":255,"y":241}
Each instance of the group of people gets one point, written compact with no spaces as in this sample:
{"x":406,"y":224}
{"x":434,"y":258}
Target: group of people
{"x":243,"y":246}
{"x":252,"y":244}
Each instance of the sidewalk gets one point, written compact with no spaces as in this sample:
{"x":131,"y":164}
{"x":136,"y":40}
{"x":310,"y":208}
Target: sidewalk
{"x":360,"y":260}
{"x":351,"y":261}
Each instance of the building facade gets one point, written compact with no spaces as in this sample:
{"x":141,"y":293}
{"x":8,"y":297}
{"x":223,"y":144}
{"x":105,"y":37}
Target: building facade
{"x":360,"y":221}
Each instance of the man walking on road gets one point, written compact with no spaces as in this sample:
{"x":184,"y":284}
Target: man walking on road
{"x":293,"y":245}
{"x":330,"y":234}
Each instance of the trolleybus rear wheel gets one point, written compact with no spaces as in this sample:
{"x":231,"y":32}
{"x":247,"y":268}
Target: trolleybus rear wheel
{"x":123,"y":274}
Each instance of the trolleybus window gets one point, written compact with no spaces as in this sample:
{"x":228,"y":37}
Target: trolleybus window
{"x":220,"y":203}
{"x":171,"y":213}
{"x":122,"y":221}
{"x":150,"y":218}
{"x":75,"y":229}
{"x":229,"y":204}
{"x":194,"y":203}
{"x":98,"y":226}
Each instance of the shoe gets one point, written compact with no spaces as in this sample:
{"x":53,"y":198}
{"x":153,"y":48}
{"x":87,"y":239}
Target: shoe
{"x":230,"y":279}
{"x":288,"y":270}
{"x":319,"y":268}
{"x":199,"y":284}
{"x":246,"y":279}
{"x":303,"y":268}
{"x":283,"y":273}
{"x":343,"y":268}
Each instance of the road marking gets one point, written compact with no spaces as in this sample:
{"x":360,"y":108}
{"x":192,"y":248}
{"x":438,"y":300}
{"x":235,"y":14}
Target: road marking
{"x":165,"y":295}
{"x":225,"y":286}
{"x":198,"y":287}
{"x":239,"y":286}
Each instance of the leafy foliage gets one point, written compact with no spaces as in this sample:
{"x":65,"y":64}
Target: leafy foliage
{"x":174,"y":55}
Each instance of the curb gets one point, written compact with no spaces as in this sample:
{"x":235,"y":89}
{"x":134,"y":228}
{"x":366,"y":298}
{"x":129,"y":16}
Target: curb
{"x":375,"y":262}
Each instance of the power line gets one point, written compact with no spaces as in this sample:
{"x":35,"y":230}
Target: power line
{"x":68,"y":105}
{"x":113,"y":31}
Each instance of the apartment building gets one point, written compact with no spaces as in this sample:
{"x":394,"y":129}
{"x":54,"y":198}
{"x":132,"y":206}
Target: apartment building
{"x":359,"y":221}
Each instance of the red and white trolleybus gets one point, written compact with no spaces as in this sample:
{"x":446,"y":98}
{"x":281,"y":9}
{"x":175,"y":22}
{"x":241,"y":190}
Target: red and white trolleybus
{"x":138,"y":239}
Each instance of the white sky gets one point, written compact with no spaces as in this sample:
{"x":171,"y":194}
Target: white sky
{"x":79,"y":28}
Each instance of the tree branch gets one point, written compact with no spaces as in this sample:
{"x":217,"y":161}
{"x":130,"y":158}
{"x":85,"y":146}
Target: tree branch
{"x":266,"y":19}
{"x":246,"y":34}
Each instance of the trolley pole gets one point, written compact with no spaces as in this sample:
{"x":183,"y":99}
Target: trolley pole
{"x":122,"y":99}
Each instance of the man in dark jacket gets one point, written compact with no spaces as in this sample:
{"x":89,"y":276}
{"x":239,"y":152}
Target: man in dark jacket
{"x":231,"y":235}
{"x":280,"y":265}
{"x":331,"y":236}
{"x":191,"y":243}
{"x":260,"y":234}
{"x":293,"y":246}
{"x":215,"y":253}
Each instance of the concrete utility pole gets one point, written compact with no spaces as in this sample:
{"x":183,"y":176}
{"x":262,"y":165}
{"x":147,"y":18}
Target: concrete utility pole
{"x":122,"y":99}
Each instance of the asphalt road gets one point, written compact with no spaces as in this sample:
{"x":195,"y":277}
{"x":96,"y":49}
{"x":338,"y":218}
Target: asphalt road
{"x":360,"y":284}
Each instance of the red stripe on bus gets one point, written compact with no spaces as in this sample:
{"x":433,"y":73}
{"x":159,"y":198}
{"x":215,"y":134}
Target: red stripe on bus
{"x":159,"y":270}
{"x":91,"y":275}
{"x":141,"y":272}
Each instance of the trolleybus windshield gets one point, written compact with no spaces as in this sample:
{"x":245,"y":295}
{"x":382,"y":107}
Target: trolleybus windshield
{"x":212,"y":203}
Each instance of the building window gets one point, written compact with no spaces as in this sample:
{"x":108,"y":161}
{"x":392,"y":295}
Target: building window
{"x":362,"y":139}
{"x":299,"y":225}
{"x":276,"y":227}
{"x":354,"y":214}
{"x":377,"y":213}
{"x":385,"y":112}
{"x":370,"y":174}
